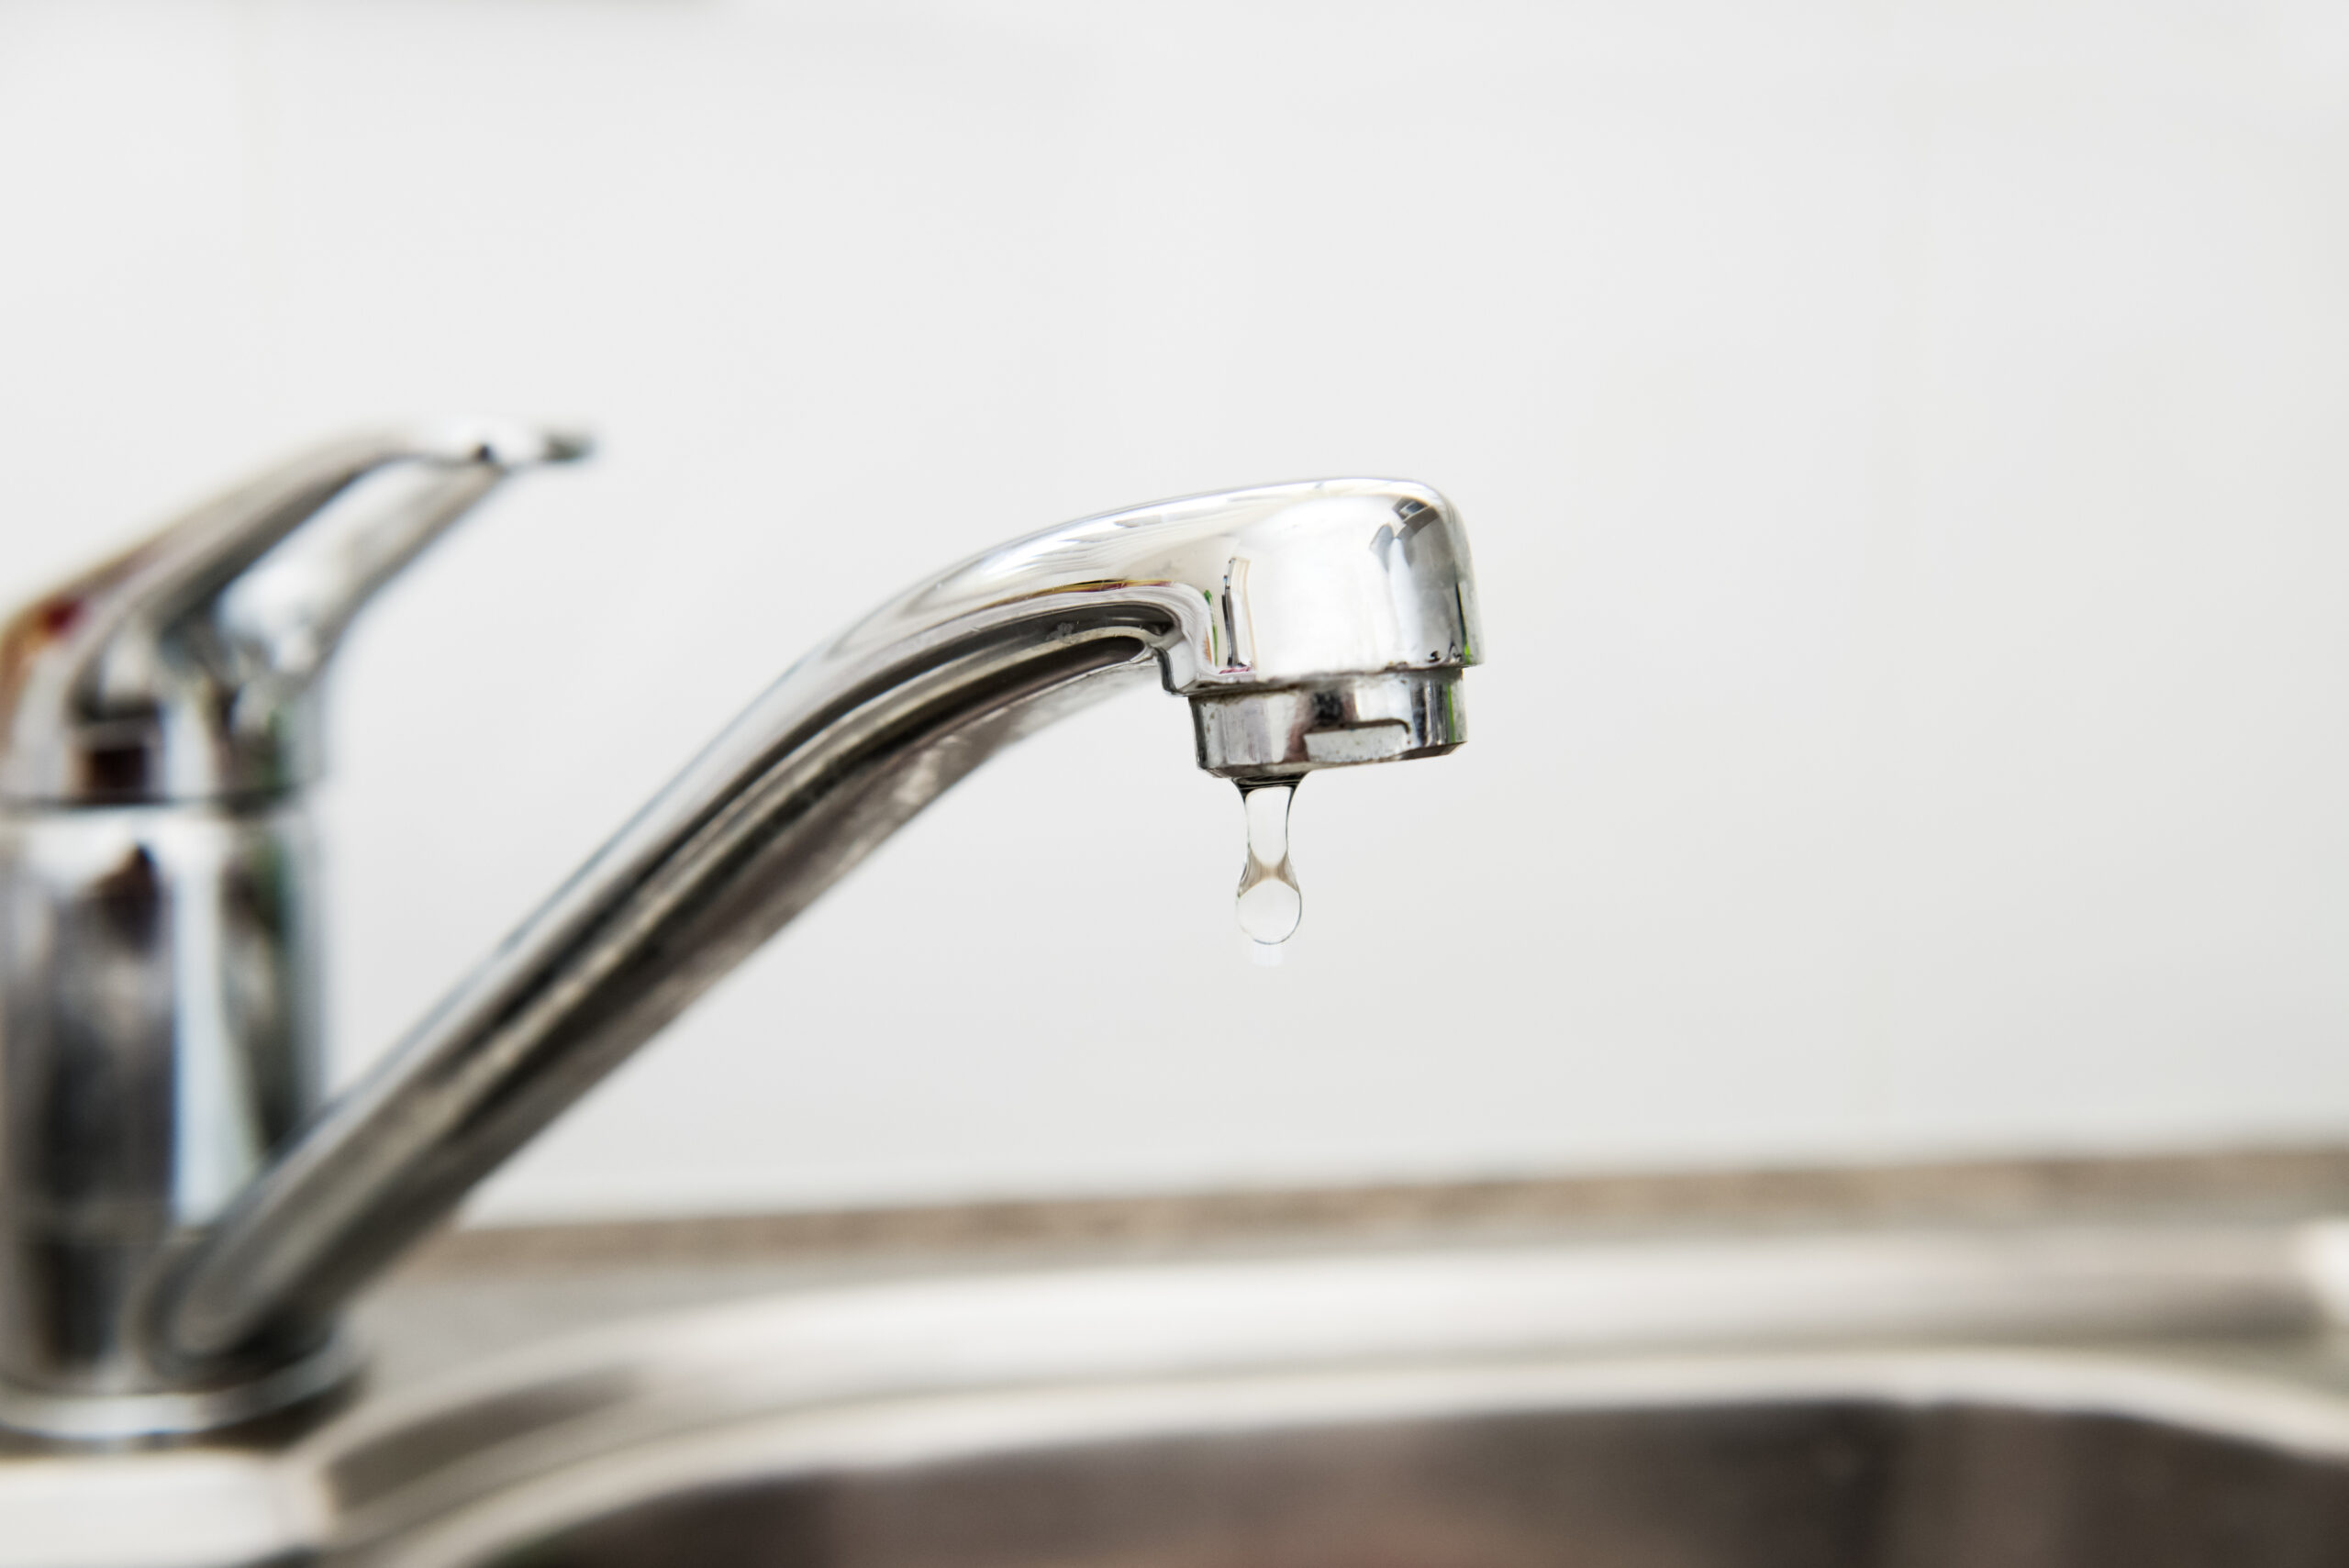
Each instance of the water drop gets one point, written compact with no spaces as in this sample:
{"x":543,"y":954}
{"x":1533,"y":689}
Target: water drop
{"x":1270,"y":902}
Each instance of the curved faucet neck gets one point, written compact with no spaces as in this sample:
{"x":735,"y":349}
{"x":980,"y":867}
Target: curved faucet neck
{"x":1312,"y":624}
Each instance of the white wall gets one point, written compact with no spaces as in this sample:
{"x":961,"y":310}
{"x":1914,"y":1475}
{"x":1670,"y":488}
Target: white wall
{"x":1904,"y":445}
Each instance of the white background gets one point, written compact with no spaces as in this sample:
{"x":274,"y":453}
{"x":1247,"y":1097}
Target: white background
{"x":1903,"y":444}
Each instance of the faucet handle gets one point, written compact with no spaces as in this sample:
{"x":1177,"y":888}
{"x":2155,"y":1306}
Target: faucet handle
{"x":182,"y":669}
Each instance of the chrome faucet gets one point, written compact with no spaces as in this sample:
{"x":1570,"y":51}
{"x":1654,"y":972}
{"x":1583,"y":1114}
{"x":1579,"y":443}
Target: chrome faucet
{"x":182,"y":1219}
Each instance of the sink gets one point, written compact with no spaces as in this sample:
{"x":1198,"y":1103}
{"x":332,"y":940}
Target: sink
{"x":1812,"y":1477}
{"x":2028,"y":1398}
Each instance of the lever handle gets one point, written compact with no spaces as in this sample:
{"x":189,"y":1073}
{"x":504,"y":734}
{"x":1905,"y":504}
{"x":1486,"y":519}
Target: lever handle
{"x":182,"y":669}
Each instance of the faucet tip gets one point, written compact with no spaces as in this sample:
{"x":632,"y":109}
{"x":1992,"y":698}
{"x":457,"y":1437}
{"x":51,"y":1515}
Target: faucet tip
{"x":1280,"y":732}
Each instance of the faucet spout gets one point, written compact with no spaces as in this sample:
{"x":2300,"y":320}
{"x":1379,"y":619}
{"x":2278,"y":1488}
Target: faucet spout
{"x":1312,"y":625}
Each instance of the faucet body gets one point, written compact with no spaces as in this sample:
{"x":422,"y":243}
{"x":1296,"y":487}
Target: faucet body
{"x":158,"y":994}
{"x":1312,"y":624}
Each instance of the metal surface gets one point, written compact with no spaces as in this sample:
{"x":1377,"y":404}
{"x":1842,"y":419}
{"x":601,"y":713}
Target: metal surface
{"x":2018,"y":1399}
{"x":165,"y":1048}
{"x":1844,"y":1468}
{"x":1792,"y":1403}
{"x":159,"y":1029}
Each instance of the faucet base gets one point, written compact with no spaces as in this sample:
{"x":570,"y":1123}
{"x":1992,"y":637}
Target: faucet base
{"x":135,"y":1418}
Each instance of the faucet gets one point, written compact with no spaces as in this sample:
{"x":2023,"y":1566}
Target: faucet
{"x":182,"y":1217}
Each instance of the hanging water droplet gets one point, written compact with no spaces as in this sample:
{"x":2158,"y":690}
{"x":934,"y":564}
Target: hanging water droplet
{"x":1270,"y":901}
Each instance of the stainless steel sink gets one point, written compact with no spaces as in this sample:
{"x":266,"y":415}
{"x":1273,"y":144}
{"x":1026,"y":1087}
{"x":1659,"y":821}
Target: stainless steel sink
{"x":1826,"y":1476}
{"x":1989,"y":1399}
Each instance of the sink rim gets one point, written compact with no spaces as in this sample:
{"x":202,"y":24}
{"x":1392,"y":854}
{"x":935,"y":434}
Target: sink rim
{"x":890,"y":1432}
{"x":1909,"y":1315}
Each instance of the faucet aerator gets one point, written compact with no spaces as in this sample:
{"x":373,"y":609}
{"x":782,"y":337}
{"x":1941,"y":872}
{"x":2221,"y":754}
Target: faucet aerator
{"x":1340,"y":721}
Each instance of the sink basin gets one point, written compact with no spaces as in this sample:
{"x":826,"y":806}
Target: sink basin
{"x":2030,"y":1399}
{"x":1811,"y":1478}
